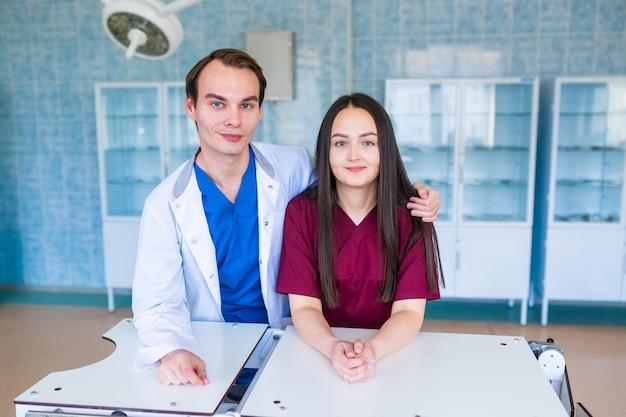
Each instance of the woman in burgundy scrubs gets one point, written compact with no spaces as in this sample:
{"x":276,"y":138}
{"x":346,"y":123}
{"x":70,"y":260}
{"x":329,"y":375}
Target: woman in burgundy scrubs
{"x":352,"y":254}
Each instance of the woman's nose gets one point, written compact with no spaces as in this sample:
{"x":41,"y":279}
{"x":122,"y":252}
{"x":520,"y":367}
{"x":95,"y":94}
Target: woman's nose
{"x":353,"y":153}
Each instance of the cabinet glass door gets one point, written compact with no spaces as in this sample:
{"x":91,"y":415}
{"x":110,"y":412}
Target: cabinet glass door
{"x":424,"y":118}
{"x":130,"y":146}
{"x":590,"y":152}
{"x":182,"y":134}
{"x":497,"y":145}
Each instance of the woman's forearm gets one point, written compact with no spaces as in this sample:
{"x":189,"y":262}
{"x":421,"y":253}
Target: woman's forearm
{"x":311,"y":325}
{"x":402,"y":327}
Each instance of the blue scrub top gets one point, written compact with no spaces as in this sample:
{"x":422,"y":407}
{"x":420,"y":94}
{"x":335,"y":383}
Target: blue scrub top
{"x":235,"y":232}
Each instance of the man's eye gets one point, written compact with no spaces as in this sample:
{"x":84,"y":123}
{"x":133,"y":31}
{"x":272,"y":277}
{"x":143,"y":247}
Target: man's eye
{"x":247,"y":106}
{"x":216,"y":104}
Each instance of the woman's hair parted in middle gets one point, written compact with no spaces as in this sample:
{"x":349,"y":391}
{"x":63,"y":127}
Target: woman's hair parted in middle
{"x":394,"y":188}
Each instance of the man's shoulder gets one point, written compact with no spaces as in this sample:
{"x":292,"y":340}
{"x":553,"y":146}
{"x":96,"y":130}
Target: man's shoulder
{"x":287,"y":162}
{"x":174,"y":184}
{"x":282,"y":150}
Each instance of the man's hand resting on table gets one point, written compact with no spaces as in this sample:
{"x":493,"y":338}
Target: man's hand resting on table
{"x":181,"y":367}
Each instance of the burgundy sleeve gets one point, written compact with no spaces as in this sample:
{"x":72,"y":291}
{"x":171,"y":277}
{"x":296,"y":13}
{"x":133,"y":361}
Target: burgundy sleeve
{"x":298,"y":272}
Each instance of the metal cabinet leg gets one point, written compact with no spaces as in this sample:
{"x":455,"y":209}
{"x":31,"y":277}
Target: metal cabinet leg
{"x":544,"y":312}
{"x":111,"y":299}
{"x":523,"y":312}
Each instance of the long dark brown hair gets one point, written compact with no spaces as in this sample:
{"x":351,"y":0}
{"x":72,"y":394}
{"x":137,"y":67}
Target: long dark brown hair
{"x":394,"y":187}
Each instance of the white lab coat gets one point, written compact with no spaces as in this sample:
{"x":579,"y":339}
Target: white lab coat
{"x":176,"y":278}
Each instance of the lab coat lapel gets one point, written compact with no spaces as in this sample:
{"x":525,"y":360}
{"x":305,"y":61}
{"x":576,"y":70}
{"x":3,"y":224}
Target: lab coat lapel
{"x":267,"y":194}
{"x":195,"y":235}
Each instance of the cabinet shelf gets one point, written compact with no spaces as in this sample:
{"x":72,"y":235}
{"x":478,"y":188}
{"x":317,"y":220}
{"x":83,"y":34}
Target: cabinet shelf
{"x":498,"y":114}
{"x":584,"y":113}
{"x":426,"y":149}
{"x":434,"y":183}
{"x":591,"y":148}
{"x":133,"y":180}
{"x":588,"y":182}
{"x":497,"y":148}
{"x":492,"y":182}
{"x":491,"y":217}
{"x":587,"y":218}
{"x":125,"y":150}
{"x":139,"y":116}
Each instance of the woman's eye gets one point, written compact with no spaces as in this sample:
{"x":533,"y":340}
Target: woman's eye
{"x":340,"y":143}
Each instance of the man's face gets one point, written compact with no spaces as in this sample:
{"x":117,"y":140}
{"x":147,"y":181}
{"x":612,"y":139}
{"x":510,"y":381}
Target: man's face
{"x":227,"y":110}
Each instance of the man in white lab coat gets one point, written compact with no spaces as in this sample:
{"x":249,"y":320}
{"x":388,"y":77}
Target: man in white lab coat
{"x":227,"y":271}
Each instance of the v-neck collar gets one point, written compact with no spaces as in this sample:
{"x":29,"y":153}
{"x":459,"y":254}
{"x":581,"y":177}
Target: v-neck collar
{"x":341,"y":212}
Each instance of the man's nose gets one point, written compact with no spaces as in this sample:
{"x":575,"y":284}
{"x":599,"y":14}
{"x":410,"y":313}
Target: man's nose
{"x":234,"y":117}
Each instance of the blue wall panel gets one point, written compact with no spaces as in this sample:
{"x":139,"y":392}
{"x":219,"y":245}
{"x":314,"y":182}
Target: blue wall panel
{"x":53,"y":51}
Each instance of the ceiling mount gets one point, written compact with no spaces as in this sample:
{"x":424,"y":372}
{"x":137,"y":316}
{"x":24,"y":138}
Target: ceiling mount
{"x":145,"y":28}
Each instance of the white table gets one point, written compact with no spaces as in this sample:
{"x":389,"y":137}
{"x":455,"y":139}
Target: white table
{"x":436,"y":375}
{"x":115,"y":384}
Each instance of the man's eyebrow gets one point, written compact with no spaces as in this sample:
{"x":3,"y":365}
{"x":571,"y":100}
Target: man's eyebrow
{"x":251,"y":98}
{"x":218,"y":97}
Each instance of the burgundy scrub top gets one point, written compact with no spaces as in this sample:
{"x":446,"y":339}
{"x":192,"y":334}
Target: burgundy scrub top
{"x":358,"y":267}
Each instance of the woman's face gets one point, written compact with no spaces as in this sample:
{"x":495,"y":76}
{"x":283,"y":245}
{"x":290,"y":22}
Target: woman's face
{"x":354,"y":154}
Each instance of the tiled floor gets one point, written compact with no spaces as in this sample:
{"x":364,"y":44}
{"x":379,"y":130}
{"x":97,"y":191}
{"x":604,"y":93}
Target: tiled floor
{"x":36,"y":339}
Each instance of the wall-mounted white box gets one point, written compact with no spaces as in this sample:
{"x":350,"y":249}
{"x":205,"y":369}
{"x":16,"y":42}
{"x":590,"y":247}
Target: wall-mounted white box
{"x":273,"y":50}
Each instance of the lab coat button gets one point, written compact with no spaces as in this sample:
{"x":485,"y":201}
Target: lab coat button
{"x":260,"y":261}
{"x":211,"y":276}
{"x":266,"y":223}
{"x":177,"y":206}
{"x":194,"y":241}
{"x":271,"y":187}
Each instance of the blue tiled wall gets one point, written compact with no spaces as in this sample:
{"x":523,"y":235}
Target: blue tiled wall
{"x":53,"y":51}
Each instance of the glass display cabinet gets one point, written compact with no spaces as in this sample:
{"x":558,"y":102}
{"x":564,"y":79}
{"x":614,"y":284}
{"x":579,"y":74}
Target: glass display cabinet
{"x":143,"y":133}
{"x":585,"y":236}
{"x":130,"y":147}
{"x":474,"y":140}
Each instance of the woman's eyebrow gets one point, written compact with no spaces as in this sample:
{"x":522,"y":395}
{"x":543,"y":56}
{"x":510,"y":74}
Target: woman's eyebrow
{"x":362,"y":135}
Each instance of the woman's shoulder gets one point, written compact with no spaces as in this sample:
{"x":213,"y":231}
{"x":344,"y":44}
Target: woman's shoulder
{"x":406,"y":224}
{"x":303,"y":202}
{"x":404,"y":215}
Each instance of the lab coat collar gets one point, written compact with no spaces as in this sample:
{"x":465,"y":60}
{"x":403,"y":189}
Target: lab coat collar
{"x":183,"y":179}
